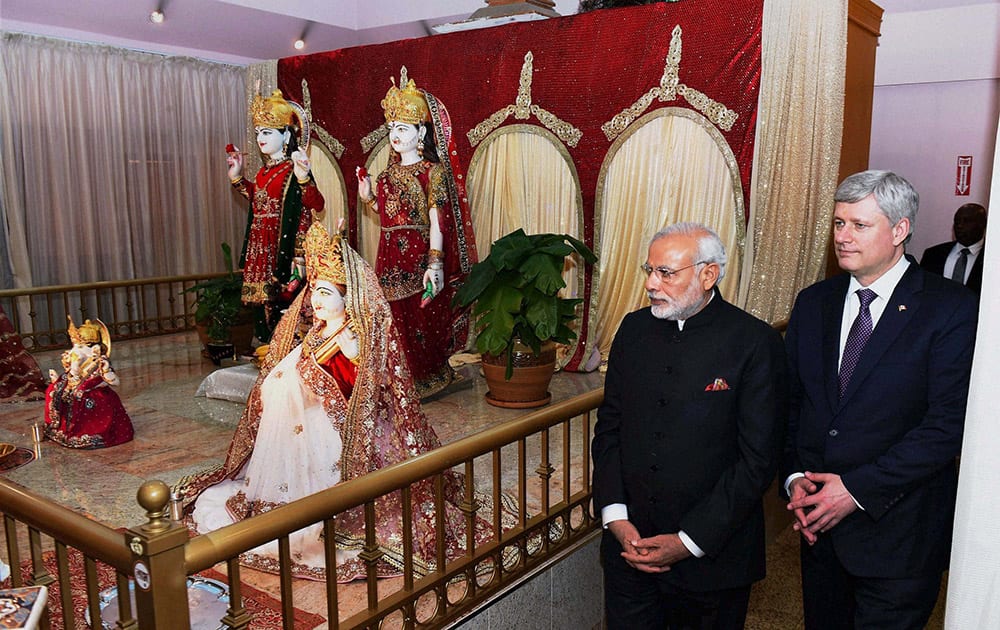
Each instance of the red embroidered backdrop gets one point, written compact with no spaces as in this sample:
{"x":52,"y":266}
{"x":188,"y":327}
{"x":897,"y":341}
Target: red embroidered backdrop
{"x":587,"y":69}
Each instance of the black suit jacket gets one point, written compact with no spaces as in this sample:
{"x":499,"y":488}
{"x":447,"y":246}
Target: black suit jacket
{"x":934,"y":258}
{"x":683,"y":458}
{"x":894,"y":436}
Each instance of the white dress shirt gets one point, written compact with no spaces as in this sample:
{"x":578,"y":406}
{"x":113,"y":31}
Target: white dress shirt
{"x":949,"y":263}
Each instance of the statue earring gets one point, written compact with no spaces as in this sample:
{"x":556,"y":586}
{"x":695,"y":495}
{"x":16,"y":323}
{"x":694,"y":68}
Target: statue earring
{"x":420,"y":148}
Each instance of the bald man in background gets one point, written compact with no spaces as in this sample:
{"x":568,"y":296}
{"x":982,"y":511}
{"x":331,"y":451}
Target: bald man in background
{"x":961,"y":259}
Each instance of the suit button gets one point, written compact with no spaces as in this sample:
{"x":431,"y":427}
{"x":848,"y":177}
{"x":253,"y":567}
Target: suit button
{"x":652,"y":499}
{"x":654,"y":468}
{"x":833,"y":433}
{"x":658,"y":435}
{"x":669,"y":369}
{"x":661,"y":402}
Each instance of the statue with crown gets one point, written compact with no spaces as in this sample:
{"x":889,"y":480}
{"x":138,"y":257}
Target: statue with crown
{"x":334,"y":401}
{"x":427,"y":247}
{"x":81,"y":409}
{"x":284,"y":200}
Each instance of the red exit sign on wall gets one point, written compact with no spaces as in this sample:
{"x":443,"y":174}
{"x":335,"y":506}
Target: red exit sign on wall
{"x":963,"y":176}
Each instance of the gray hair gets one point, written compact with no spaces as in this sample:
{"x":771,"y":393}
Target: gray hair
{"x":896,"y":197}
{"x":710,"y":247}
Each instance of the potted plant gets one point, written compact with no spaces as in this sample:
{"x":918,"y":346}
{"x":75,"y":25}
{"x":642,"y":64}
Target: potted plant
{"x":219,"y":310}
{"x":519,"y":316}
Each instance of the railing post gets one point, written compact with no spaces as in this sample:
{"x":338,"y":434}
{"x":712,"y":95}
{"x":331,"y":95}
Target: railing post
{"x":158,"y":562}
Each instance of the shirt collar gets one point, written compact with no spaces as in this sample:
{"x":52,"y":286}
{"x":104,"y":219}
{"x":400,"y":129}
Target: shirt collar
{"x":974,"y":249}
{"x":886,"y":283}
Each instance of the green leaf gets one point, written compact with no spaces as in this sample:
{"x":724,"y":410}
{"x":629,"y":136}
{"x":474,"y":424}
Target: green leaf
{"x":496,"y":309}
{"x":545,"y":272}
{"x":509,"y":251}
{"x":483,"y":273}
{"x":542,"y":314}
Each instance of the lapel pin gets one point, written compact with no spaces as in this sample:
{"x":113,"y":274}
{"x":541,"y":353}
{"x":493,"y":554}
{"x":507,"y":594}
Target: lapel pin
{"x":901,"y":307}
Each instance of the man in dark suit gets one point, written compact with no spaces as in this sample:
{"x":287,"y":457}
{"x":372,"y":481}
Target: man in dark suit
{"x":879,"y":370}
{"x":961,"y":259}
{"x":687,"y":441}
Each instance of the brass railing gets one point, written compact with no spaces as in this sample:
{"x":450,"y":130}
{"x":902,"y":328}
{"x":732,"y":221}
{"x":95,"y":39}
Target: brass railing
{"x":546,"y":455}
{"x":130,"y":308}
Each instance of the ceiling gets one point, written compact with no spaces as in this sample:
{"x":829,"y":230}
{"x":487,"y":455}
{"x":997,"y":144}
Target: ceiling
{"x":245,"y":31}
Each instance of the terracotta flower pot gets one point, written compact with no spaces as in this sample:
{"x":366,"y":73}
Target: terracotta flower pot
{"x":528,"y":386}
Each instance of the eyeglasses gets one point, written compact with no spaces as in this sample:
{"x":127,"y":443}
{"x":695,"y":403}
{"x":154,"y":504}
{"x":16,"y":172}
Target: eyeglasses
{"x":665,"y":274}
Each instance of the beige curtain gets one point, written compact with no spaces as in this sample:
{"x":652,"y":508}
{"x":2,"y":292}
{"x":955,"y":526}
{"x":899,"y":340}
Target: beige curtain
{"x":368,"y":223}
{"x":114,"y":161}
{"x":798,"y":151}
{"x":330,"y":182}
{"x":672,"y":165}
{"x":521,"y":176}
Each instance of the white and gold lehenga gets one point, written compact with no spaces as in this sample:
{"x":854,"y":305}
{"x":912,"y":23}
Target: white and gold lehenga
{"x":313,"y":437}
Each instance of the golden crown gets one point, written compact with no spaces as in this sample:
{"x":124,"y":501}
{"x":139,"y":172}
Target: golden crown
{"x":324,"y":260}
{"x":273,"y":112}
{"x":407,"y":105}
{"x":89,"y":333}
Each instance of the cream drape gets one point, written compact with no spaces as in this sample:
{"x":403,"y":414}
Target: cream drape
{"x":114,"y":161}
{"x":330,"y":181}
{"x":672,"y":165}
{"x":521,"y":176}
{"x":368,"y":222}
{"x":804,"y":44}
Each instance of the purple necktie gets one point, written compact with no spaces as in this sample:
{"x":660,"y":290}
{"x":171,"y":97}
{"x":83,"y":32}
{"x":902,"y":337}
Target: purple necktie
{"x":861,"y":330}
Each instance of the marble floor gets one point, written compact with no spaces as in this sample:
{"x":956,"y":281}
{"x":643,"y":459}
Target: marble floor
{"x":178,"y":433}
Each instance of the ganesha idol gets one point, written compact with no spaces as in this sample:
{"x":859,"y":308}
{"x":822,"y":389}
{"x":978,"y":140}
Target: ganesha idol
{"x":81,"y":409}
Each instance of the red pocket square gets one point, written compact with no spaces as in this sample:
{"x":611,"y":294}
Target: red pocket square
{"x":718,"y":385}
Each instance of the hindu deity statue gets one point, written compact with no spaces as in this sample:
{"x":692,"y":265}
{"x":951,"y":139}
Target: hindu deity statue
{"x":284,"y":200}
{"x":426,"y":247}
{"x":81,"y":408}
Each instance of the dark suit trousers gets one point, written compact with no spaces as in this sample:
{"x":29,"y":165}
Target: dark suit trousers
{"x":633,"y":599}
{"x":835,"y":600}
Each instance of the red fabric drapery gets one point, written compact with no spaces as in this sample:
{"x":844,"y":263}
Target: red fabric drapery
{"x":587,"y":69}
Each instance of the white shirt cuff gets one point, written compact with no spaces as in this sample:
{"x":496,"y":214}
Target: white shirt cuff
{"x":613,"y":512}
{"x":788,"y":482}
{"x":691,"y":545}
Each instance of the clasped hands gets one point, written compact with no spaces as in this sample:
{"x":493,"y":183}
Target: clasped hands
{"x":655,"y":554}
{"x":819,"y":501}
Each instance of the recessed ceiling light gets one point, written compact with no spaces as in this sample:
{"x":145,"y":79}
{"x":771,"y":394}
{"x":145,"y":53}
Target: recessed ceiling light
{"x":156,"y":17}
{"x":299,"y":44}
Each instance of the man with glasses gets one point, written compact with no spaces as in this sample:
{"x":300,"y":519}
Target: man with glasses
{"x":686,"y":443}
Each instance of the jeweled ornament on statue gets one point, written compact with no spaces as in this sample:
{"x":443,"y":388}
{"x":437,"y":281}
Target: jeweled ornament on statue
{"x":81,"y":408}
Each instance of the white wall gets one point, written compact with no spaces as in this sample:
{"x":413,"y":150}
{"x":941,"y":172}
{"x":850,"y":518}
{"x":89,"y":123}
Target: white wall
{"x":937,"y":96}
{"x":919,"y":131}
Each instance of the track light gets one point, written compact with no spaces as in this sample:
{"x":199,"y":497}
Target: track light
{"x":156,"y":17}
{"x":299,"y":44}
